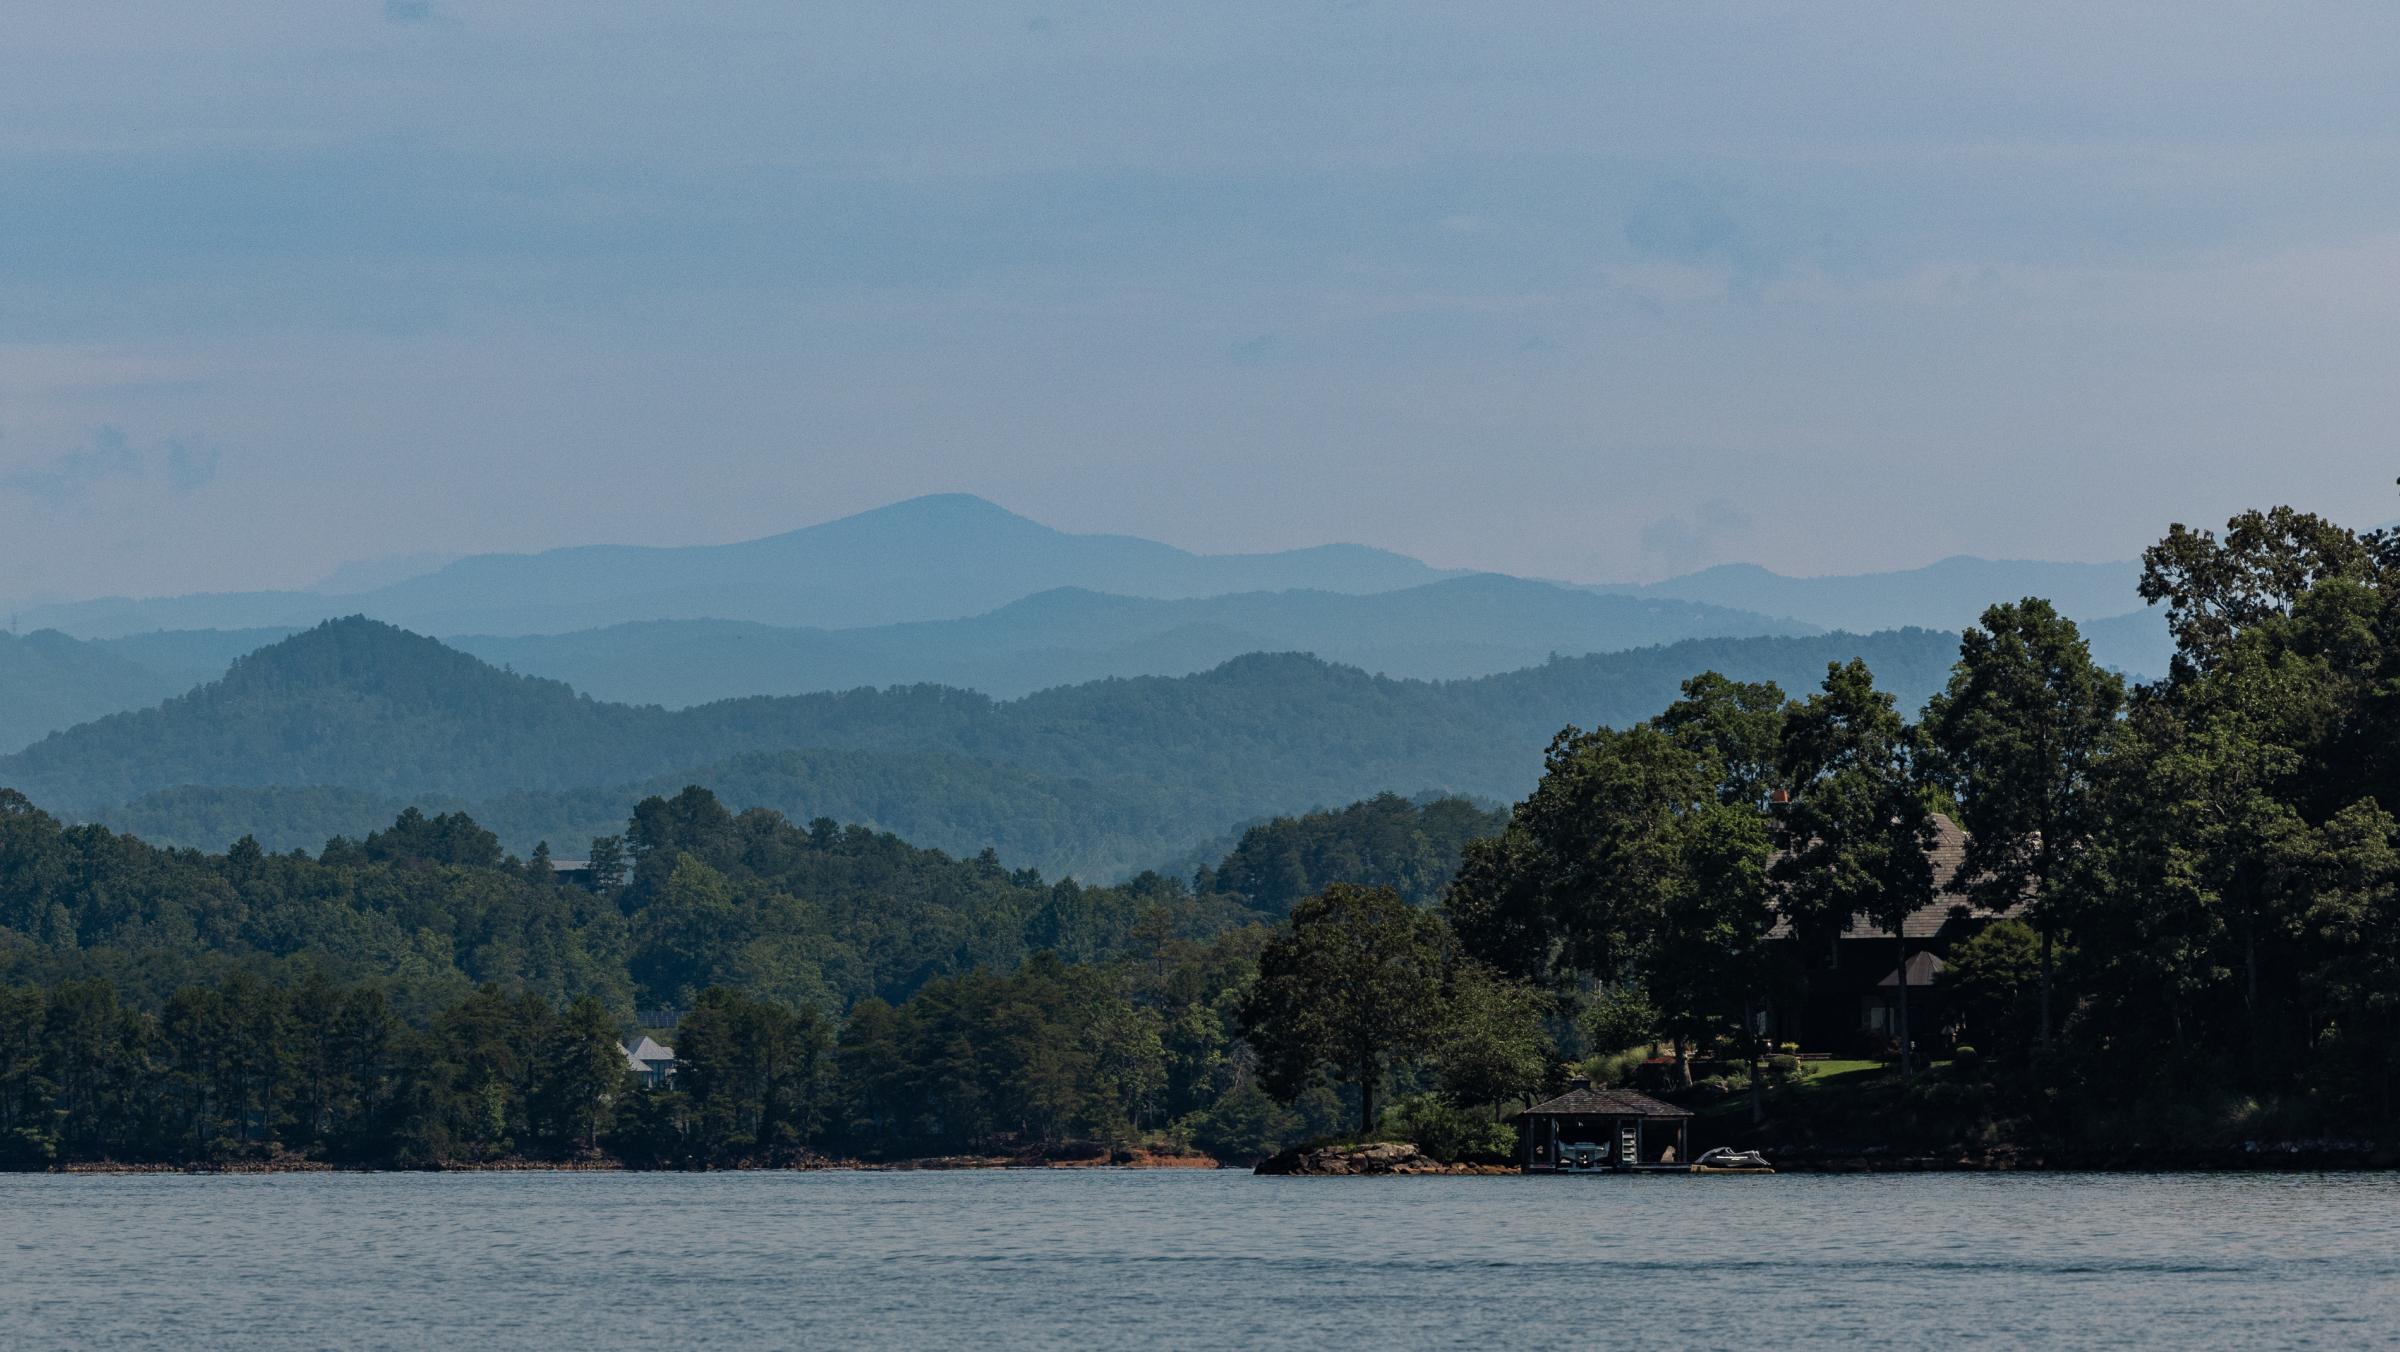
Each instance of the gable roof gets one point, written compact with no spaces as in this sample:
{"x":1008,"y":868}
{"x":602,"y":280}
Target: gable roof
{"x":644,"y":1054}
{"x":1923,"y":967}
{"x":1585,"y":1101}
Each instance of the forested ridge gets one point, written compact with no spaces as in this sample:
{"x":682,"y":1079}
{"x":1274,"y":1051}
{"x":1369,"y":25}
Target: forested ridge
{"x":1097,"y":778}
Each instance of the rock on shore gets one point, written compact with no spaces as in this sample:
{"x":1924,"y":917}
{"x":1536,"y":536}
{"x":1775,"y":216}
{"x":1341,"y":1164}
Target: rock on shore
{"x":1380,"y":1157}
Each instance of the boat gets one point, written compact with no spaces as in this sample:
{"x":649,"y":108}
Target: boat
{"x":1726,"y":1160}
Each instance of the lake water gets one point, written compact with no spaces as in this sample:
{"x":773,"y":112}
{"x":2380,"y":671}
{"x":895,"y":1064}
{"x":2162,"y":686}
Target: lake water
{"x":1195,"y":1259}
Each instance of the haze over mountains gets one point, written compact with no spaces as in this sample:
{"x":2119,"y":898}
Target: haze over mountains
{"x":332,"y":728}
{"x":931,"y":558}
{"x":1459,"y":627}
{"x":956,"y":591}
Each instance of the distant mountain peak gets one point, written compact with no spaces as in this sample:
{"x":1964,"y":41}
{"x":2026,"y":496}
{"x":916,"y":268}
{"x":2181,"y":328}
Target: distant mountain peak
{"x":930,"y":509}
{"x":370,"y":658}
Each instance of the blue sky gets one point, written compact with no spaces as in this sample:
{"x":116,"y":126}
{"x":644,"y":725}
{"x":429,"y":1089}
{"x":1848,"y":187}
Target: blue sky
{"x":1590,"y":291}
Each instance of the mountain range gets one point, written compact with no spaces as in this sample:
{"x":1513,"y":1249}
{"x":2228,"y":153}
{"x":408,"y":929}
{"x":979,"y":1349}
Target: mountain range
{"x":931,"y":558}
{"x":956,"y":591}
{"x":1460,"y":627}
{"x":337,"y":724}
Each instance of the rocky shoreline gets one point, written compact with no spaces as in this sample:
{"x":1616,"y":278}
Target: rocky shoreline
{"x":1399,"y":1159}
{"x":1381,"y":1158}
{"x":1133,"y":1159}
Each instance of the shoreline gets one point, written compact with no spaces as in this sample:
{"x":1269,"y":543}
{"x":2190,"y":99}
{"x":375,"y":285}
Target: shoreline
{"x":2262,"y":1159}
{"x":1139,"y":1160}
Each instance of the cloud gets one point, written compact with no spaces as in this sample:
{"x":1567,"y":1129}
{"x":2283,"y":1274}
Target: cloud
{"x":71,"y":479}
{"x":1683,"y":227}
{"x":1690,"y":540}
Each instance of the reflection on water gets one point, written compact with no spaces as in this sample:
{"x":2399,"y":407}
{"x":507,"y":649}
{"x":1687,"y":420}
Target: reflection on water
{"x":1082,"y":1258}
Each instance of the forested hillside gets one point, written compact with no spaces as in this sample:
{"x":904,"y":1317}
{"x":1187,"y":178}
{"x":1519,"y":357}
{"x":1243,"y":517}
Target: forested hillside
{"x":49,"y":681}
{"x":948,"y":802}
{"x":431,"y":906}
{"x":1469,"y":626}
{"x":1151,"y":766}
{"x":1386,"y":841}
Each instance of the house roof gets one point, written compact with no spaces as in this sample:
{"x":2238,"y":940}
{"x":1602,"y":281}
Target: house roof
{"x":1585,"y":1101}
{"x":645,"y":1054}
{"x":1949,"y":902}
{"x":1923,"y":967}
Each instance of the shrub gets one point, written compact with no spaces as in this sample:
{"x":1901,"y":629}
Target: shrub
{"x":1788,"y":1048}
{"x":1783,"y":1067}
{"x":1966,"y":1057}
{"x":1444,"y":1131}
{"x":1612,"y":1068}
{"x":1619,"y":1019}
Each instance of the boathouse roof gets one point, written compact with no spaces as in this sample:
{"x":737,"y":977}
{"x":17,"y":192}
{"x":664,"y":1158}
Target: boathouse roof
{"x":1585,"y":1101}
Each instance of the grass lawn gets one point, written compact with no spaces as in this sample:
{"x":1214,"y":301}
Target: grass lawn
{"x":1826,"y":1070}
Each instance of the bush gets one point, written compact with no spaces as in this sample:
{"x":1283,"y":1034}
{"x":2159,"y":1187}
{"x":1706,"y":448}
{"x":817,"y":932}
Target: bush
{"x":1446,"y":1132}
{"x":1619,"y":1019}
{"x":1966,"y":1057}
{"x":1788,"y":1048}
{"x":1783,"y":1067}
{"x":1612,"y":1069}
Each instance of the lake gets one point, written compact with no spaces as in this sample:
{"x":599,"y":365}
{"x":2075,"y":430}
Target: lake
{"x":1195,"y":1260}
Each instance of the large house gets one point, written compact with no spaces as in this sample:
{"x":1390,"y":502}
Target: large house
{"x":650,"y":1063}
{"x":1844,"y":996}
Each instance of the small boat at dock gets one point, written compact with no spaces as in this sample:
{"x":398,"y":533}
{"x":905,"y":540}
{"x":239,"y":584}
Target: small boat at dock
{"x":1725,"y":1160}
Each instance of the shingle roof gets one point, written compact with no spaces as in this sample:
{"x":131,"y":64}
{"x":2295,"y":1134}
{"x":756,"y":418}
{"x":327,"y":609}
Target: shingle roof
{"x":1948,"y":852}
{"x":1923,"y":967}
{"x":645,"y":1054}
{"x":1585,"y":1101}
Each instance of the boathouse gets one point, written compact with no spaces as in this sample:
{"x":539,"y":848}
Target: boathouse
{"x":1587,"y":1130}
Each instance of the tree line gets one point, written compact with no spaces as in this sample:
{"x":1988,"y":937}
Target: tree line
{"x":1044,"y":1057}
{"x":2200,"y":876}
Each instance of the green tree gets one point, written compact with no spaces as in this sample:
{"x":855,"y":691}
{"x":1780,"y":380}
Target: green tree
{"x":1590,"y":860}
{"x":2215,"y":588}
{"x":757,"y":1075}
{"x":1994,"y":980}
{"x":1738,"y":726}
{"x":1705,"y":962}
{"x":1491,"y":1046}
{"x":581,"y":1076}
{"x":2017,"y":734}
{"x":28,"y":1120}
{"x":1857,"y":828}
{"x":1350,"y":987}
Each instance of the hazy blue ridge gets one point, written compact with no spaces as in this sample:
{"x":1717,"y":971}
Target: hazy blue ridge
{"x":1469,"y":626}
{"x":1949,"y":594}
{"x":939,"y":557}
{"x":49,"y":681}
{"x":1151,"y":765}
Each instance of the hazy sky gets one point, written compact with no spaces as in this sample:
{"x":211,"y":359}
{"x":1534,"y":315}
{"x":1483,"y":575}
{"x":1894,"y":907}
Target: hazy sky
{"x":1585,"y":290}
